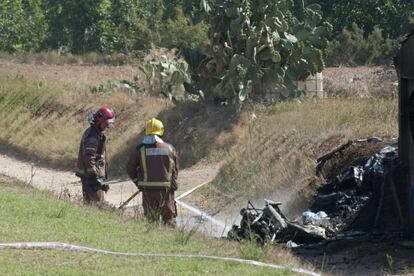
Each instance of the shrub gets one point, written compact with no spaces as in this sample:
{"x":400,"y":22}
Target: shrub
{"x":352,"y":48}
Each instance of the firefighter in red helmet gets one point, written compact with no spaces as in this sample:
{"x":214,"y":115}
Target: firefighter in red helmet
{"x":91,"y":164}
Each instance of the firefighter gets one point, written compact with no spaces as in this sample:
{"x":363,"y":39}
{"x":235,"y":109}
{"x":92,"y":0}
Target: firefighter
{"x":91,"y":164}
{"x":153,"y":167}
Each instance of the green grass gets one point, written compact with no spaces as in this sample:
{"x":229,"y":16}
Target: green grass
{"x":30,"y":215}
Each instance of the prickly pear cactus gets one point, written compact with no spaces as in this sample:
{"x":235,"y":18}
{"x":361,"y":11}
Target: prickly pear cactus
{"x":168,"y":74}
{"x":258,"y":47}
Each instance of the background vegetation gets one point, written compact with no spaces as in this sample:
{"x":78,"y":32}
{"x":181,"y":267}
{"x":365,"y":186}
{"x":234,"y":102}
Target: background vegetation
{"x":103,"y":26}
{"x":258,"y":49}
{"x":372,"y":27}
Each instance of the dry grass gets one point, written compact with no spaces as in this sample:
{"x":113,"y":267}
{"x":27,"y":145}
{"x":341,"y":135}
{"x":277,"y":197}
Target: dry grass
{"x":275,"y":157}
{"x":268,"y":150}
{"x":43,"y":109}
{"x":200,"y":131}
{"x":377,"y":81}
{"x":59,"y":58}
{"x":67,"y":77}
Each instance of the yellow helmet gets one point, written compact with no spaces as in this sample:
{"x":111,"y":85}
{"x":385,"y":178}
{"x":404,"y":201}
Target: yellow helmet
{"x":154,"y":127}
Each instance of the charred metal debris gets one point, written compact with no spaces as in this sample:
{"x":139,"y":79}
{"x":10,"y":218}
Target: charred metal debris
{"x":361,"y":199}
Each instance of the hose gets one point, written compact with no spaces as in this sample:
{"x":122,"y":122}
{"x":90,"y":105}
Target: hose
{"x":71,"y":247}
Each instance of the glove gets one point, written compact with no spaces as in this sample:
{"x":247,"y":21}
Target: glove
{"x":105,"y":187}
{"x":174,"y":185}
{"x":101,"y":186}
{"x":95,"y":172}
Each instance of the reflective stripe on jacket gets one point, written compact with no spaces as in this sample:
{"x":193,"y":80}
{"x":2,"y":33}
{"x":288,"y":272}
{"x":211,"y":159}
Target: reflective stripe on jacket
{"x":91,"y":157}
{"x":154,"y":166}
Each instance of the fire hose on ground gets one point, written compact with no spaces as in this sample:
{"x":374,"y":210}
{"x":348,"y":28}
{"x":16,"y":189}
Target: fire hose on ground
{"x":72,"y":247}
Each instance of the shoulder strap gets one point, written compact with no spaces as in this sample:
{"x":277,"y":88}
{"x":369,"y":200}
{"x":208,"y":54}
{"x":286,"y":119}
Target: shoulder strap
{"x":143,"y":160}
{"x":139,"y":146}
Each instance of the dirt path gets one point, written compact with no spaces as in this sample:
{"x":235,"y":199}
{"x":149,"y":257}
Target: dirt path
{"x":67,"y":184}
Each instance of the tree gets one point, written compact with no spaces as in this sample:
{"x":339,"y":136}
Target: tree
{"x":180,"y":33}
{"x":257,"y":48}
{"x":77,"y":24}
{"x":22,"y":25}
{"x":392,"y":16}
{"x":120,"y":31}
{"x":351,"y":47}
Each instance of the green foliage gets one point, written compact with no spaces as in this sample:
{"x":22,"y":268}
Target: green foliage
{"x":105,"y":26}
{"x":256,"y":49}
{"x":79,"y":24}
{"x":133,"y":27}
{"x":393,"y":17}
{"x":351,"y":47}
{"x":119,"y":35}
{"x":130,"y":86}
{"x":178,"y":33}
{"x":104,"y":88}
{"x":381,"y":25}
{"x":166,"y":76}
{"x":22,"y":25}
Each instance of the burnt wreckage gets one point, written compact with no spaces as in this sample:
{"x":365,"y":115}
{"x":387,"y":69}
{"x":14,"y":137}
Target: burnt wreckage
{"x":376,"y":195}
{"x":362,"y":198}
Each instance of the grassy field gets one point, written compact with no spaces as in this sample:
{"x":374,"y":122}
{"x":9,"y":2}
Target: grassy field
{"x":30,"y":215}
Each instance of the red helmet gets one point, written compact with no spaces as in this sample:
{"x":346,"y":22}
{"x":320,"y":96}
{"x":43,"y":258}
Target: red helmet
{"x":104,"y":114}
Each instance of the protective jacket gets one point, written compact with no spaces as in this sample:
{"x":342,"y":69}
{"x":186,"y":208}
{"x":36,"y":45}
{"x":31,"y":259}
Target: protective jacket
{"x":154,"y":165}
{"x":91,"y":157}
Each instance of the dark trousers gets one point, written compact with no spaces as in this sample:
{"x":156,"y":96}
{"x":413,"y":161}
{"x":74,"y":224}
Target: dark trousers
{"x":159,"y":202}
{"x":91,"y":190}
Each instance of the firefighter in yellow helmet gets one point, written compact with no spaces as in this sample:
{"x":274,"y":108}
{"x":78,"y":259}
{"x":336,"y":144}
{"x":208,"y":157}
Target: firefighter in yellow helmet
{"x":153,"y":167}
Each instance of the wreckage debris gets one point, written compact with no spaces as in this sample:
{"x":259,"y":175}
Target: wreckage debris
{"x":270,"y":225}
{"x":334,"y":210}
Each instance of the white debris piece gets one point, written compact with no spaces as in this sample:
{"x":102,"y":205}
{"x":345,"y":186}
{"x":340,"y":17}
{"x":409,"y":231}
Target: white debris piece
{"x":319,"y":219}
